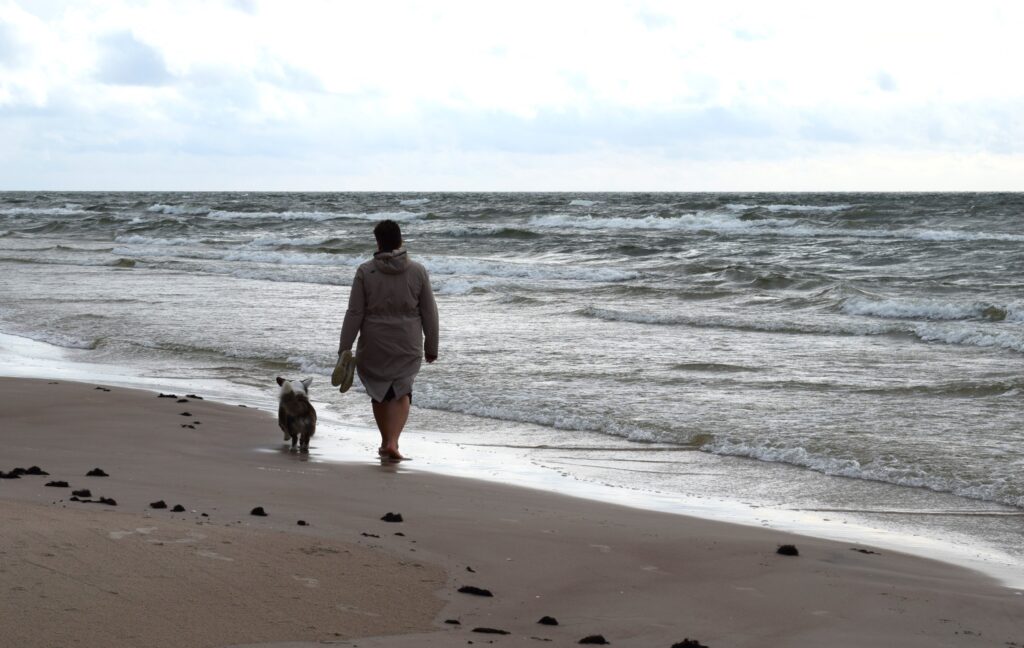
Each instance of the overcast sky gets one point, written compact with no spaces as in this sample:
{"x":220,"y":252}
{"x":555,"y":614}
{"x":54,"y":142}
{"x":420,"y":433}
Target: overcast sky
{"x":675,"y":96}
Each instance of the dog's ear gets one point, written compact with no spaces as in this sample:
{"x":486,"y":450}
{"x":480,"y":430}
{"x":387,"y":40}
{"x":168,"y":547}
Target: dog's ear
{"x":280,"y":381}
{"x":307,"y":382}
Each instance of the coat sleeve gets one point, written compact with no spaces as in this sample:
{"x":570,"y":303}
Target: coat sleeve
{"x":428,"y":315}
{"x":354,"y":315}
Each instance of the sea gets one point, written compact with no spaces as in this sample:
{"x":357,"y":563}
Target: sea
{"x":844,"y":364}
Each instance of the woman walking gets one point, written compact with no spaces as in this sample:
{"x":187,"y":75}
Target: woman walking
{"x":392,"y":310}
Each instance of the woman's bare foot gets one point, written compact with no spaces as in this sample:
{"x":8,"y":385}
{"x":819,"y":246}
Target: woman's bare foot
{"x":391,"y":454}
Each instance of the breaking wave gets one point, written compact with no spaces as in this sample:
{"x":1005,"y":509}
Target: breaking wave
{"x":994,"y":490}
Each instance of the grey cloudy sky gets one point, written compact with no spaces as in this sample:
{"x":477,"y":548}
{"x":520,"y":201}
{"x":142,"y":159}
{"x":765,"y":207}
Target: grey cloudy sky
{"x":644,"y":95}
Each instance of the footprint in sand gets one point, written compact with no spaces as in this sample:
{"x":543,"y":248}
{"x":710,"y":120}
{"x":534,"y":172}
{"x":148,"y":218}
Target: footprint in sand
{"x":308,"y":582}
{"x":351,"y":609}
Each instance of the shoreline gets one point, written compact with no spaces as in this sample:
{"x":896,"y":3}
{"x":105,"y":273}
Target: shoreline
{"x":598,"y":568}
{"x":889,"y":526}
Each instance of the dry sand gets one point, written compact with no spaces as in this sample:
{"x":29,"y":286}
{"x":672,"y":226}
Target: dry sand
{"x":89,"y":574}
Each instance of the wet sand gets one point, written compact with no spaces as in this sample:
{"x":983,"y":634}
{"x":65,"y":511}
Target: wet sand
{"x":87,"y":573}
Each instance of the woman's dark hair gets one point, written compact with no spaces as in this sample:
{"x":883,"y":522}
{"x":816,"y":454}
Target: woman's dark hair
{"x":388,"y":235}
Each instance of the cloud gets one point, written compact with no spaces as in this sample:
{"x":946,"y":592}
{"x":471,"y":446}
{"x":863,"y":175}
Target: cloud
{"x":529,"y":92}
{"x":124,"y":60}
{"x":10,"y":47}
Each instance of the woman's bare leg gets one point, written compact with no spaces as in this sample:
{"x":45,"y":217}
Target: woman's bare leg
{"x":391,"y":417}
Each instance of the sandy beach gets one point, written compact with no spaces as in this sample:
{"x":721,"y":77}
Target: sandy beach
{"x":84,"y":573}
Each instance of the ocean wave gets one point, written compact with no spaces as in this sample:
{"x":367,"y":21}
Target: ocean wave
{"x":58,"y":339}
{"x":458,"y":287}
{"x":967,"y":336}
{"x":41,"y":211}
{"x":721,"y":223}
{"x":308,"y":366}
{"x":553,"y":417}
{"x":177,"y":210}
{"x":314,"y":216}
{"x":471,"y":231}
{"x":927,"y":309}
{"x":579,"y":202}
{"x":994,"y":490}
{"x":712,"y":367}
{"x":413,"y":202}
{"x":514,"y":270}
{"x":946,"y":333}
{"x":774,"y":208}
{"x":287,"y":258}
{"x":136,"y":239}
{"x":756,"y":324}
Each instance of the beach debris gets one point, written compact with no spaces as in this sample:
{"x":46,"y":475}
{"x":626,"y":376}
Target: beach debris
{"x":36,"y":470}
{"x":258,"y":511}
{"x":178,"y":508}
{"x":109,"y":501}
{"x":10,"y":475}
{"x":546,"y":620}
{"x":787,"y":550}
{"x":186,"y":425}
{"x":453,"y":622}
{"x":181,"y":400}
{"x":57,"y":484}
{"x":475,"y":591}
{"x":204,"y":515}
{"x":163,"y":395}
{"x":74,"y":498}
{"x":689,"y":643}
{"x":194,"y":397}
{"x":302,"y":523}
{"x":96,"y":472}
{"x":491,"y":631}
{"x":470,"y":569}
{"x":369,"y":535}
{"x":865,"y":551}
{"x":159,"y":504}
{"x":594,"y":639}
{"x":83,"y":492}
{"x":392,"y":517}
{"x":103,"y":389}
{"x":186,"y":414}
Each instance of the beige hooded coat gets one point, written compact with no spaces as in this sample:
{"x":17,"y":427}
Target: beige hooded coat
{"x":392,"y":309}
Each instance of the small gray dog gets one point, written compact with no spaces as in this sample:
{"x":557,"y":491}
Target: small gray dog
{"x":295,"y":414}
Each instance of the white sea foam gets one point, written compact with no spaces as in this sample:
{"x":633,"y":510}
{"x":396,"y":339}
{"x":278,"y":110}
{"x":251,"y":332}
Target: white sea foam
{"x":413,"y":202}
{"x":579,"y":202}
{"x":287,"y":258}
{"x":993,"y":490}
{"x":758,"y":323}
{"x":724,"y":223}
{"x":177,"y":210}
{"x":315,"y":216}
{"x":135,"y":239}
{"x":927,"y":309}
{"x":308,"y":366}
{"x":972,"y":336}
{"x":789,"y":208}
{"x":522,"y":270}
{"x":60,"y":339}
{"x":554,"y":417}
{"x":456,"y":286}
{"x":41,"y":211}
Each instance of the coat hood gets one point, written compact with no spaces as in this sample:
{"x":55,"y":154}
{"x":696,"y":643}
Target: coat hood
{"x":394,"y":262}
